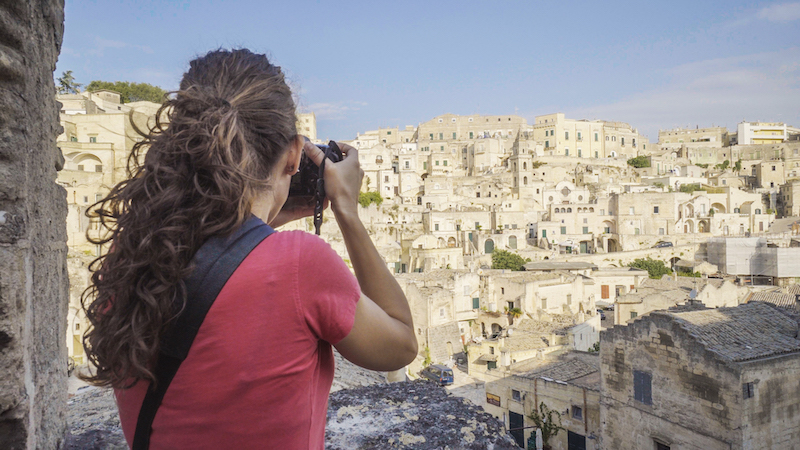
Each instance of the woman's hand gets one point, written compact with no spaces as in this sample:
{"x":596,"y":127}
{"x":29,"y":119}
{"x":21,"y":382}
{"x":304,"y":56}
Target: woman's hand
{"x":342,"y":179}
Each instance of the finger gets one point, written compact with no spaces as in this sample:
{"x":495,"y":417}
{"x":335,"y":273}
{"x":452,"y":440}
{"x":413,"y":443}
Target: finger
{"x":347,"y":150}
{"x":314,"y":153}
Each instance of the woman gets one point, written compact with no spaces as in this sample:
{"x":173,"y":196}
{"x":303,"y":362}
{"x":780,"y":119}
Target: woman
{"x":260,"y":368}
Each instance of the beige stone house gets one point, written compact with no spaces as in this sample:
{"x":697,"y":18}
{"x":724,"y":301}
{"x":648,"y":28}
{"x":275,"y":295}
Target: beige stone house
{"x":568,"y":383}
{"x":712,"y":379}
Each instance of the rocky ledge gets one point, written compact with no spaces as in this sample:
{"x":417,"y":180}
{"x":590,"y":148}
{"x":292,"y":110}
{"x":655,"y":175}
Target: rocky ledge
{"x":410,"y":415}
{"x":364,"y":412}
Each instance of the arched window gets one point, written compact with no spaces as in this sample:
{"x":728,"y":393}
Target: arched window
{"x":488,"y":246}
{"x":524,"y":166}
{"x":512,"y":242}
{"x":525,"y":181}
{"x":569,"y":210}
{"x":591,"y":210}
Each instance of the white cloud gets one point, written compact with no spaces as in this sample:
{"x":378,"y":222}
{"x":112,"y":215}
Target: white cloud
{"x":784,"y":12}
{"x":723,"y":92}
{"x":101,"y":45}
{"x":334,"y":111}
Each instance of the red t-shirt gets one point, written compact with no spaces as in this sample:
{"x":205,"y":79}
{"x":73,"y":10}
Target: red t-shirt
{"x":260,"y":369}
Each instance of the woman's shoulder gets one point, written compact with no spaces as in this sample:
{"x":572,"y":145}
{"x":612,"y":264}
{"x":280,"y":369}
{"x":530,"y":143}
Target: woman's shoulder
{"x":298,"y":238}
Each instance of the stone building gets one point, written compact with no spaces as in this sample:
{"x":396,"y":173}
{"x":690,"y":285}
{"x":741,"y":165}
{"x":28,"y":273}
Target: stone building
{"x":99,"y":133}
{"x":711,"y":137}
{"x":307,"y":125}
{"x":567,"y":383}
{"x":668,"y":292}
{"x":712,"y":379}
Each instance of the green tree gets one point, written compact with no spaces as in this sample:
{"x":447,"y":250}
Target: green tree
{"x":654,"y":267}
{"x":130,"y":92}
{"x":724,"y":165}
{"x":738,"y":166}
{"x":689,"y":188}
{"x":67,"y":83}
{"x":502,"y":259}
{"x":366,"y":198}
{"x":547,"y":420}
{"x":639,"y":162}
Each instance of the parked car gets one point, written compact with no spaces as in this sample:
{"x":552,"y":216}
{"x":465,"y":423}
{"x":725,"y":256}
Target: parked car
{"x":663,"y":244}
{"x":438,"y":373}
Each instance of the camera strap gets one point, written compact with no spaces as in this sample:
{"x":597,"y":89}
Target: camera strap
{"x":215,"y":262}
{"x":319,"y":192}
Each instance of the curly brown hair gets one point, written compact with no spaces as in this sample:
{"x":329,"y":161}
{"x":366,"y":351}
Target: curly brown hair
{"x":194,"y":175}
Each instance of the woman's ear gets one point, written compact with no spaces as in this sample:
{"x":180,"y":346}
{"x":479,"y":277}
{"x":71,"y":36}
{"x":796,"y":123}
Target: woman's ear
{"x":295,"y":153}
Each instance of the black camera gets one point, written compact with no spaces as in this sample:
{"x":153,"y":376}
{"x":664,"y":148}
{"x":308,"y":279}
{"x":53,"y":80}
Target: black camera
{"x":308,"y":179}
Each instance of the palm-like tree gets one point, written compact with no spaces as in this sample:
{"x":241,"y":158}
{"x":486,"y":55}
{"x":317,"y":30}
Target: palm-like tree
{"x":67,"y":84}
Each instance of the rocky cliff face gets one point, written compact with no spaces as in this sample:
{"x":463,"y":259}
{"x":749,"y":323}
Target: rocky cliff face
{"x":33,"y":211}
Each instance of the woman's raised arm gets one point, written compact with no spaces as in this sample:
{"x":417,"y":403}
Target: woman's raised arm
{"x":383,"y":336}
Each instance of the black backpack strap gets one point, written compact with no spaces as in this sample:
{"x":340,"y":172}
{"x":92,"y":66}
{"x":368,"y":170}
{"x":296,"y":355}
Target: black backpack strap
{"x":215,"y":262}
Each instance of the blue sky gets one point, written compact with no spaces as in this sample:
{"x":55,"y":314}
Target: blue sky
{"x":360,"y":65}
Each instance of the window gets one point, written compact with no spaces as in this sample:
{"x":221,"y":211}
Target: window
{"x":515,"y":395}
{"x":476,"y":303}
{"x":579,"y":136}
{"x":566,"y":135}
{"x":635,"y":231}
{"x":773,"y":167}
{"x":85,"y":199}
{"x":491,"y":365}
{"x":98,"y":168}
{"x":544,"y":303}
{"x":585,"y":230}
{"x":634,"y":314}
{"x":444,"y":163}
{"x":437,"y":162}
{"x":502,"y":290}
{"x":454,"y":135}
{"x":491,"y":350}
{"x":388,"y":132}
{"x":73,"y":139}
{"x":632,"y":210}
{"x":577,"y":412}
{"x":407,"y":164}
{"x":424,"y":165}
{"x":596,"y":155}
{"x":94,"y":140}
{"x":642,"y":387}
{"x":441,"y":312}
{"x":566,"y":152}
{"x":547,"y":144}
{"x":569,"y":299}
{"x":441,"y":148}
{"x":748,"y":390}
{"x":661,"y":445}
{"x":596,"y":138}
{"x":563,"y":230}
{"x":661,"y":231}
{"x":441,"y":136}
{"x":655,"y":209}
{"x":431,"y":135}
{"x":544,"y":233}
{"x":436,"y":227}
{"x":585,"y":220}
{"x":386,"y":178}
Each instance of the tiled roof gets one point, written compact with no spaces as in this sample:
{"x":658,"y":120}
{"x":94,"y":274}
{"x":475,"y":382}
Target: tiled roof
{"x":793,"y":289}
{"x":776,"y":298}
{"x":750,"y":331}
{"x":565,"y":370}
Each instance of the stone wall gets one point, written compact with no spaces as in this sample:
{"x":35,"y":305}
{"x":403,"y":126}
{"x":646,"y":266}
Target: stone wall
{"x":772,"y":416}
{"x":33,"y":275}
{"x":695,"y":397}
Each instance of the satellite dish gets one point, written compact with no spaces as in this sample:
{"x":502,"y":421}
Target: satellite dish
{"x":693,"y":294}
